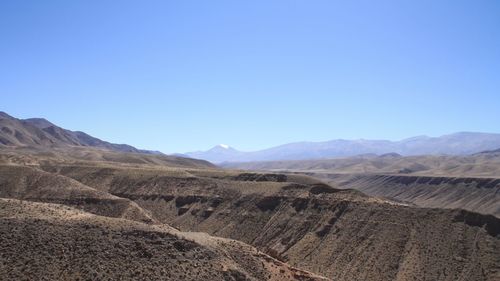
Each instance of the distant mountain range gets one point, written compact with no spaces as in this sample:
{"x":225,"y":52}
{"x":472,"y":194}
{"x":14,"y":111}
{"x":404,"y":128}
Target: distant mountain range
{"x":462,"y":143}
{"x":38,"y":132}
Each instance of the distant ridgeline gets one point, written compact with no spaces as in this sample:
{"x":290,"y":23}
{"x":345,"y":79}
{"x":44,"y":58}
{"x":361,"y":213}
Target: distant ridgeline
{"x":463,"y":143}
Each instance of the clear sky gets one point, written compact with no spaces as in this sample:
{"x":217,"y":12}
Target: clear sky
{"x":185,"y":75}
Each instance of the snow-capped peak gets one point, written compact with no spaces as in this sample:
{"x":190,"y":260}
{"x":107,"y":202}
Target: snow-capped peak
{"x":225,"y":146}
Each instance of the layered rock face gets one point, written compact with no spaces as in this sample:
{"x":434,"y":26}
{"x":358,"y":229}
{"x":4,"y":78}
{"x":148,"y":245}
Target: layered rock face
{"x":341,"y":234}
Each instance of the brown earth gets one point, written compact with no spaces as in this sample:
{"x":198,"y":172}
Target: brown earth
{"x":88,"y":156}
{"x":29,"y":183}
{"x":41,"y":241}
{"x":467,"y":182}
{"x":122,"y":228}
{"x":480,"y":195}
{"x":340,"y":234}
{"x":486,"y":164}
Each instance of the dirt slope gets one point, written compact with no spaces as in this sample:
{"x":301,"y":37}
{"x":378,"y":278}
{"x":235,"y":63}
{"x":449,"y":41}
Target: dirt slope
{"x":343,"y":235}
{"x":32,"y":184}
{"x":89,"y":156}
{"x":38,"y":137}
{"x":38,"y":132}
{"x":58,"y":242}
{"x":468,"y":182}
{"x":485,"y":164}
{"x":480,"y":195}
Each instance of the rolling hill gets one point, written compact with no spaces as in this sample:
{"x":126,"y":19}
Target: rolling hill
{"x":478,"y":165}
{"x":468,"y":182}
{"x":62,"y":243}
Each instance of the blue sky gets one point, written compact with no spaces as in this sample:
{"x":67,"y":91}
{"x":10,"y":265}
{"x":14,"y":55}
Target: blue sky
{"x":185,"y":75}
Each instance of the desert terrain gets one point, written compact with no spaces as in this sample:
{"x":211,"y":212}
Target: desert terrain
{"x":76,"y":212}
{"x":469,"y":182}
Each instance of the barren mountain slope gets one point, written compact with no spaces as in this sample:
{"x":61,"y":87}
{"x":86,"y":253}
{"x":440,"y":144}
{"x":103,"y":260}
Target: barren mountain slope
{"x":28,"y":183}
{"x":343,"y":235}
{"x":480,"y":195}
{"x":38,"y":132}
{"x":90,"y":155}
{"x":478,"y":165}
{"x":471,"y":182}
{"x":26,"y":141}
{"x":58,"y":242}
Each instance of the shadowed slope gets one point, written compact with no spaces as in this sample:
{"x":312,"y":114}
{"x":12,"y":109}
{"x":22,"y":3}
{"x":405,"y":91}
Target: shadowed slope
{"x":28,"y":183}
{"x":479,"y":165}
{"x":471,"y":182}
{"x":89,"y":156}
{"x":39,"y":136}
{"x":59,"y":242}
{"x":475,"y":194}
{"x":39,"y":132}
{"x":341,"y":234}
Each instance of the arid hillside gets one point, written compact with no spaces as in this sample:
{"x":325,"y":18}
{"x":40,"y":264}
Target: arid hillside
{"x":469,"y":182}
{"x":38,"y":132}
{"x":90,"y":155}
{"x":29,"y":183}
{"x":480,"y":195}
{"x":62,"y":243}
{"x":31,"y":140}
{"x":485,"y":164}
{"x":340,"y":234}
{"x":146,"y":214}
